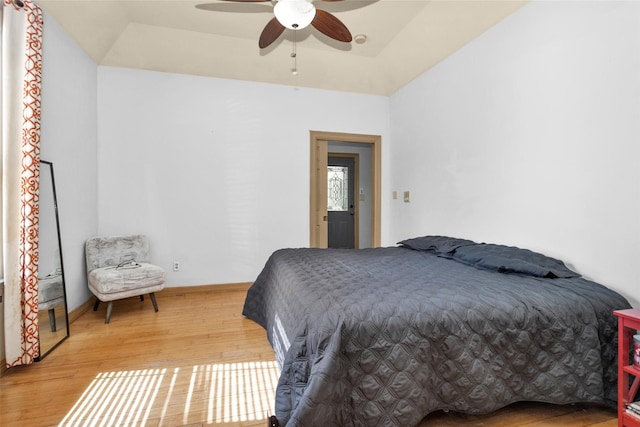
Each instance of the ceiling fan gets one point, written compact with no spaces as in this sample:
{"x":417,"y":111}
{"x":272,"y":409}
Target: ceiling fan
{"x":296,"y":15}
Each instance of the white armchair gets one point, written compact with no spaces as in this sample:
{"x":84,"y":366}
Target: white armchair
{"x":118,"y":267}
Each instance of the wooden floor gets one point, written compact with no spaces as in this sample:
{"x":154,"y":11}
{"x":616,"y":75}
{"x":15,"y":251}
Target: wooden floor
{"x":197,"y":362}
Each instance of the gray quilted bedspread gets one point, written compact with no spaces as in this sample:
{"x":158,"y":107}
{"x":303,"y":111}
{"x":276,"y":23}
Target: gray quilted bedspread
{"x":383,"y":337}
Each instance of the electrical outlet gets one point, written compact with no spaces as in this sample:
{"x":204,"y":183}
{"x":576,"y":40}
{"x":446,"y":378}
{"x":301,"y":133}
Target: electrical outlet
{"x":176,"y":265}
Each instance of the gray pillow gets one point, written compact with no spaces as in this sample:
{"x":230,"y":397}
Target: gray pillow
{"x":437,"y":244}
{"x":510,"y":259}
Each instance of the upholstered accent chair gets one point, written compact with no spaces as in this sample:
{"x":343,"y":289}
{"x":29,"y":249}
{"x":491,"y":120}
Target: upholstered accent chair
{"x":118,"y":267}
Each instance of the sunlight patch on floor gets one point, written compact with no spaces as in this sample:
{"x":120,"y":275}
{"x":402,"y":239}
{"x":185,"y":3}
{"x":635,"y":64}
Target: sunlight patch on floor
{"x":220,"y":393}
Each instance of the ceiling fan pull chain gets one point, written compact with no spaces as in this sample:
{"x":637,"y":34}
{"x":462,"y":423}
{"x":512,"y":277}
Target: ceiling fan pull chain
{"x":294,"y":54}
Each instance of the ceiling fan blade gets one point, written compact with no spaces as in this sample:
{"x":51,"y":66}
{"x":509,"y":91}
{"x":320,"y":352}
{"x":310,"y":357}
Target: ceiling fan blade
{"x":331,"y":26}
{"x":271,"y":32}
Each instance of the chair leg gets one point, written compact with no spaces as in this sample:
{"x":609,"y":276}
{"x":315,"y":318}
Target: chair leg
{"x":153,"y":300}
{"x":109,"y":308}
{"x":52,"y":319}
{"x":96,"y":304}
{"x":141,"y":297}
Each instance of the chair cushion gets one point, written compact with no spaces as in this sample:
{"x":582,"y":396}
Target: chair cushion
{"x":50,"y":288}
{"x":50,"y":291}
{"x":110,"y":283}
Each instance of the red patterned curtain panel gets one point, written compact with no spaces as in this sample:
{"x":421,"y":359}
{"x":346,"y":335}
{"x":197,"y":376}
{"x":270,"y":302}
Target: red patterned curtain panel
{"x":21,"y":73}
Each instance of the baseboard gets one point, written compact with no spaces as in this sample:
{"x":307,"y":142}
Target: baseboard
{"x":226,"y":287}
{"x":80,"y":310}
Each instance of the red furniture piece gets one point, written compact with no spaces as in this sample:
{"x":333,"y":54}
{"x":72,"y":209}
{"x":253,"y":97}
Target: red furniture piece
{"x":628,"y":374}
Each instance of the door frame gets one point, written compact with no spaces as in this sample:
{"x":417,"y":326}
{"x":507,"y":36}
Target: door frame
{"x":355,"y":195}
{"x":318,"y":232}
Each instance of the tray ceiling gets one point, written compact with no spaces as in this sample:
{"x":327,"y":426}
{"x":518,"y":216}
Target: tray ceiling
{"x":220,"y":39}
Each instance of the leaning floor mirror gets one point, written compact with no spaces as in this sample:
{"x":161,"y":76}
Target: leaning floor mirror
{"x":53,"y":318}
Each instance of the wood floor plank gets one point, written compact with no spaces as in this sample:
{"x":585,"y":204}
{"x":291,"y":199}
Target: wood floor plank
{"x":197,"y":362}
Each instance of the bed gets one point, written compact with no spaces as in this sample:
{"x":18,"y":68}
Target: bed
{"x":385,"y":336}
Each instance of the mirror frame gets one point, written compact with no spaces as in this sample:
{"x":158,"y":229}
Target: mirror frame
{"x":48,"y":167}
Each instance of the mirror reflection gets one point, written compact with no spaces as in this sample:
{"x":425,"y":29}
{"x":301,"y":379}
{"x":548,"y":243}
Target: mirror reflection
{"x":52,"y":308}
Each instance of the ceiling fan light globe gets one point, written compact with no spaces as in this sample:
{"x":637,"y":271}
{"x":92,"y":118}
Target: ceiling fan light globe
{"x":294,"y":14}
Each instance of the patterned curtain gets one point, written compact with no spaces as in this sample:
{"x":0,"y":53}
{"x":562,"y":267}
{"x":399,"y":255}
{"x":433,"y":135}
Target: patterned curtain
{"x":21,"y":75}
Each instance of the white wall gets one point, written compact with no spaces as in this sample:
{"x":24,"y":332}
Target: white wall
{"x":214,"y":171}
{"x":529,"y":136}
{"x":69,"y":141}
